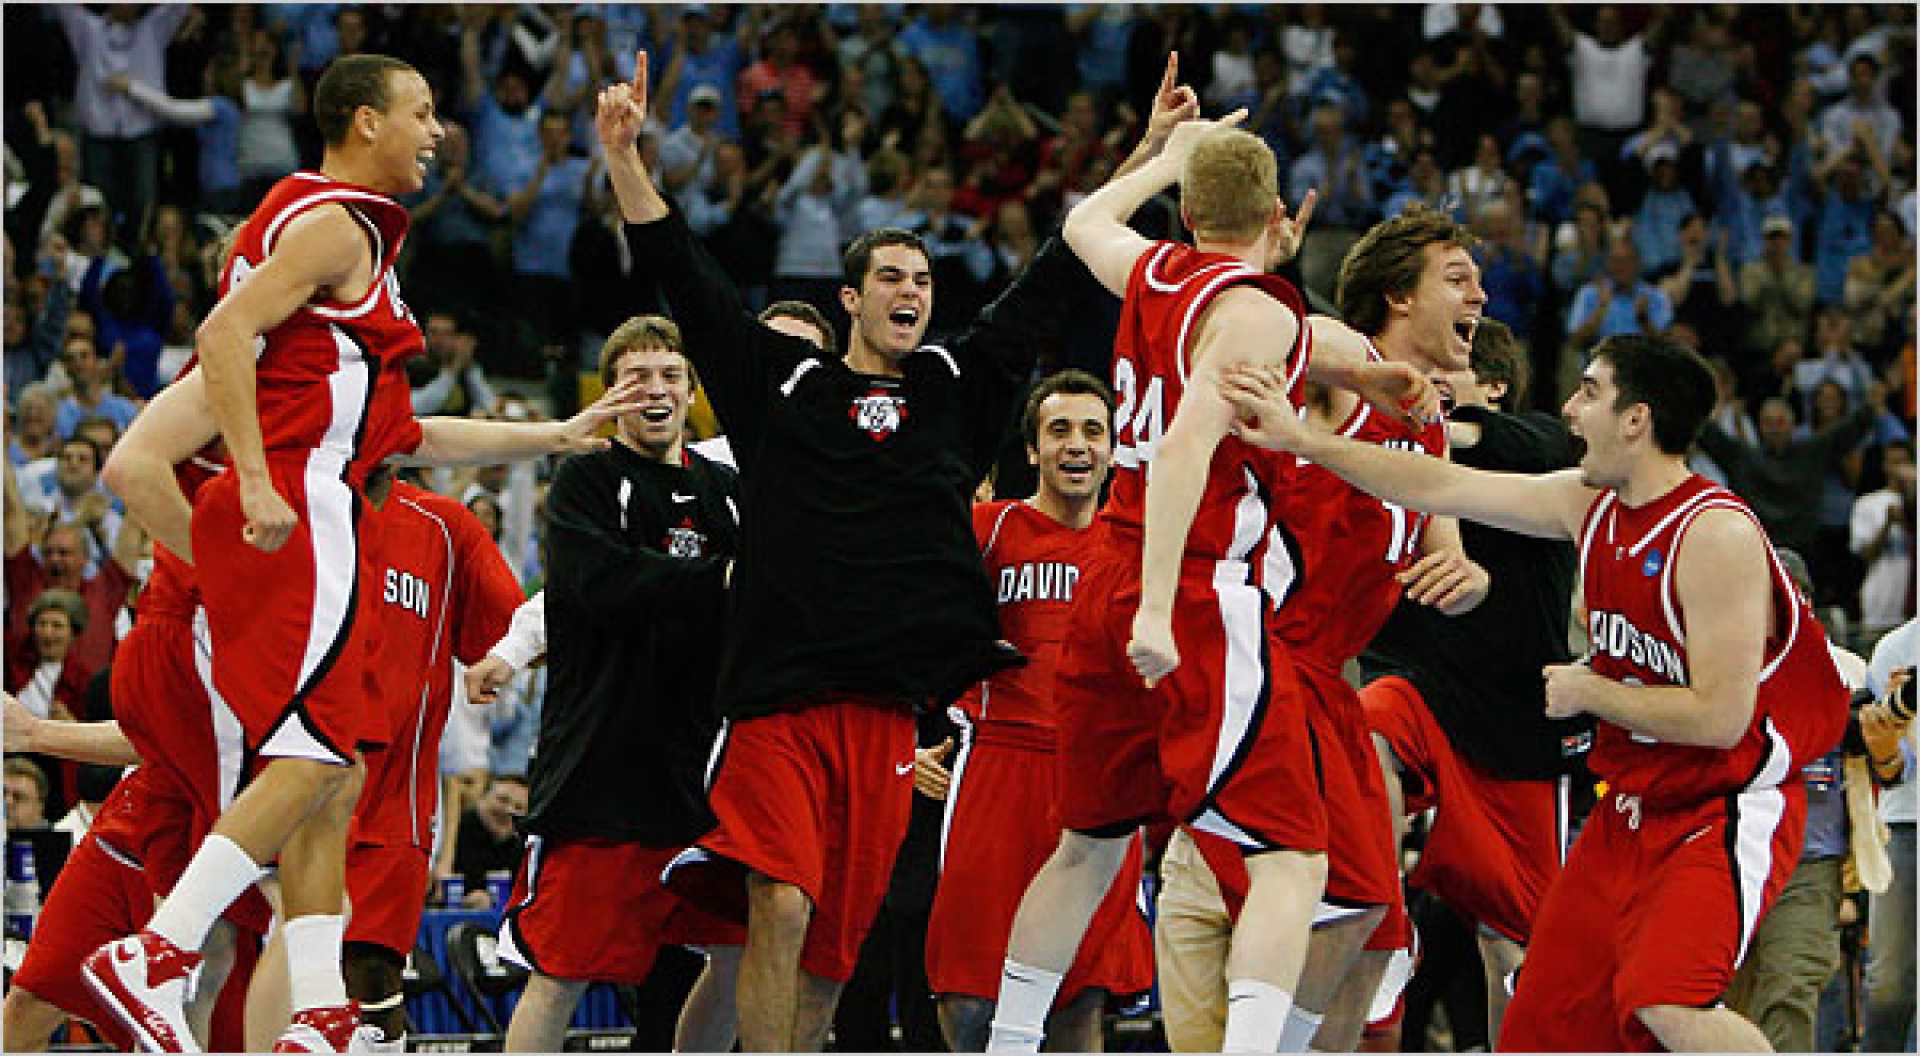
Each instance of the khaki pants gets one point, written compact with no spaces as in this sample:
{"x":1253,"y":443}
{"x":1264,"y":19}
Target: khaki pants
{"x":1794,"y":951}
{"x":1191,"y":934}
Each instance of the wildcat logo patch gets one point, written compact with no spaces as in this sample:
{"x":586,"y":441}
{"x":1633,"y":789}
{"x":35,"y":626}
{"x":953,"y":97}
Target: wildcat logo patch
{"x":878,"y":413}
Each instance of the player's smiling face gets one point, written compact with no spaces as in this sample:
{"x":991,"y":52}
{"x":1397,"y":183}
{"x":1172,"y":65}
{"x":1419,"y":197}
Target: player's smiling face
{"x":1445,"y":307}
{"x":666,"y":393}
{"x":407,"y":136}
{"x":1074,"y":446}
{"x":894,"y":302}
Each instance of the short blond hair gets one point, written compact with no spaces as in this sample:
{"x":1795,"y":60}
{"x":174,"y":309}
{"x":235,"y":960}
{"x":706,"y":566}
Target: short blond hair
{"x":1229,"y":185}
{"x":641,"y":331}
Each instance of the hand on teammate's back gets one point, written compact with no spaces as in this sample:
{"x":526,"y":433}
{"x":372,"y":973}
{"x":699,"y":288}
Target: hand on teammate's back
{"x":1258,"y":395}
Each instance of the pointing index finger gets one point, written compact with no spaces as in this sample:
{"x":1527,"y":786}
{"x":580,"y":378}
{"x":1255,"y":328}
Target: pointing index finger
{"x":1171,"y":75}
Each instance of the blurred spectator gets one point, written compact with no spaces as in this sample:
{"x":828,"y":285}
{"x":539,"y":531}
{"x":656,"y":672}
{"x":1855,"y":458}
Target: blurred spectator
{"x":33,"y":435}
{"x":1618,"y":302}
{"x":885,"y":203}
{"x":1846,"y":220}
{"x":1014,"y":242}
{"x":27,"y":789}
{"x":1881,"y":534}
{"x":72,"y":494}
{"x":457,"y":384}
{"x":1334,"y":165}
{"x":1524,"y":134}
{"x":950,"y":54}
{"x":62,"y":562}
{"x":1835,"y":358}
{"x":1668,"y":131}
{"x":1729,"y":415}
{"x":1102,"y":31}
{"x":273,"y":98}
{"x":1611,"y":74}
{"x":1664,"y":207}
{"x":700,"y":56}
{"x":872,"y":51}
{"x":487,"y":840}
{"x":1483,"y":181}
{"x":122,"y":148}
{"x":780,"y":70}
{"x":1580,"y":253}
{"x":1703,"y":69}
{"x":91,"y":394}
{"x":1440,"y":20}
{"x":1776,"y":291}
{"x":1230,"y":81}
{"x":1510,"y":271}
{"x":32,"y":183}
{"x":1702,"y":289}
{"x":1782,"y":476}
{"x":961,"y":261}
{"x":1000,"y":149}
{"x":1307,"y":43}
{"x":72,"y":198}
{"x":33,"y":342}
{"x":686,"y":154}
{"x":545,"y":212}
{"x":454,"y":220}
{"x":132,"y":311}
{"x":1890,"y":958}
{"x":1426,"y":185}
{"x":815,"y":211}
{"x":504,"y":118}
{"x":94,"y":784}
{"x":1832,"y":557}
{"x":916,"y":121}
{"x":1553,"y":181}
{"x":311,"y":31}
{"x":1879,"y":290}
{"x":44,"y":670}
{"x":1068,"y":156}
{"x":1335,"y":83}
{"x":1863,"y":119}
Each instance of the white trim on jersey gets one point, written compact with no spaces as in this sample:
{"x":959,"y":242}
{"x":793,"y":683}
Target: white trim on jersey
{"x":994,"y":536}
{"x":347,"y":386}
{"x":1784,"y":592}
{"x":1209,"y":288}
{"x":960,"y":758}
{"x":1756,"y":816}
{"x":508,"y":948}
{"x":946,"y":357}
{"x":336,"y":557}
{"x":714,"y":753}
{"x":434,"y":659}
{"x":1243,"y":676}
{"x":229,"y":737}
{"x":299,"y":205}
{"x":1325,"y":913}
{"x":1159,"y":257}
{"x":1594,"y":516}
{"x":799,"y":371}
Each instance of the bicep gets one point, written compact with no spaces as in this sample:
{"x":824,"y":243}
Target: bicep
{"x":1109,"y":252}
{"x":317,"y":250}
{"x":1723,"y":585}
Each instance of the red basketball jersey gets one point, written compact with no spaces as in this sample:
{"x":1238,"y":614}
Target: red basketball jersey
{"x":1034,"y":563}
{"x":1354,"y":543}
{"x":331,"y":378}
{"x":1171,"y":286}
{"x":445,"y":593}
{"x":1638,"y":634}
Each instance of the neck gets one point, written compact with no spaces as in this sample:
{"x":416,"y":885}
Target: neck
{"x":864,"y":360}
{"x":1253,"y":254}
{"x":1396,"y":344}
{"x":1655,"y":477}
{"x":670,"y":455}
{"x":336,"y":165}
{"x":1074,"y":513}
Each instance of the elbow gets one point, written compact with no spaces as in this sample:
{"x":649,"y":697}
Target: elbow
{"x":1728,"y":733}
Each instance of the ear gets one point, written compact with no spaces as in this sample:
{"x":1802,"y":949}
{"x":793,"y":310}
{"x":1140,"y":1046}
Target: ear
{"x":366,"y":122}
{"x":1496,"y":390}
{"x":1033,"y":455}
{"x":850,"y":300}
{"x":1399,"y":303}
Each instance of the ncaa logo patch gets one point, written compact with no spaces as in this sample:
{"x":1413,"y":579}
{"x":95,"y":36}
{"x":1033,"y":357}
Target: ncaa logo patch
{"x":878,"y":413}
{"x":1651,"y":566}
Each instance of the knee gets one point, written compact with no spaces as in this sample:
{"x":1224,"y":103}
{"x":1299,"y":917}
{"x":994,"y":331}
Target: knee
{"x":28,"y":1019}
{"x":1081,"y":851}
{"x":967,"y":1020}
{"x":778,"y":905}
{"x":1666,"y":1021}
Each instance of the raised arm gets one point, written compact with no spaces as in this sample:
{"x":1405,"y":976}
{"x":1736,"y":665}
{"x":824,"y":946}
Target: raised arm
{"x":175,"y":111}
{"x":1550,"y":506}
{"x":1724,"y":585}
{"x":19,"y":531}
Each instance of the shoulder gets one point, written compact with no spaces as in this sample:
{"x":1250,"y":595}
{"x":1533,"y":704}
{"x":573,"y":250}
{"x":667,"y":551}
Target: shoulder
{"x":1722,"y":541}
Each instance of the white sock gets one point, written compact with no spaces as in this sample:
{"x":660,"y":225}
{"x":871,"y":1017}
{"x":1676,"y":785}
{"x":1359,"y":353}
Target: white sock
{"x":313,"y":961}
{"x":1302,"y":1025}
{"x":1026,"y":996}
{"x":1256,"y":1016}
{"x":219,"y":873}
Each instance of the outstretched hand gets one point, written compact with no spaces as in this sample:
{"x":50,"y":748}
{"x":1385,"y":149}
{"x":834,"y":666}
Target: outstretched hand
{"x":1172,"y":102}
{"x":580,"y":433}
{"x":1187,"y":134}
{"x":1292,"y":229}
{"x":1262,"y":415}
{"x":1401,"y":392}
{"x":621,"y":109}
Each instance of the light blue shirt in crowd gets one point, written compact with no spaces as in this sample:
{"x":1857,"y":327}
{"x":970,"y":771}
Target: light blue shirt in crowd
{"x":545,"y":237}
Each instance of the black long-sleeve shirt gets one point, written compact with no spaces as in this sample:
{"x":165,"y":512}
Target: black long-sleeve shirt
{"x":858,"y":571}
{"x":1479,"y":673}
{"x":1784,"y":487}
{"x":636,"y":563}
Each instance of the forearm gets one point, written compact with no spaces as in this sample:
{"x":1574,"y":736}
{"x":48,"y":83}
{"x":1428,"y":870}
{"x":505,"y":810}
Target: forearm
{"x":640,"y":201}
{"x":227,"y":362}
{"x":450,"y":441}
{"x":1113,"y":204}
{"x":82,"y":742}
{"x":176,"y":111}
{"x":18,"y":534}
{"x":526,"y":637}
{"x":1173,"y":496}
{"x":1671,"y":714}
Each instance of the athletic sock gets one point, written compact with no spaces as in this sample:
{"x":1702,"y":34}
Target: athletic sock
{"x":1302,"y":1025}
{"x":1256,"y":1016}
{"x":219,"y":873}
{"x":1020,"y":1019}
{"x":313,"y":961}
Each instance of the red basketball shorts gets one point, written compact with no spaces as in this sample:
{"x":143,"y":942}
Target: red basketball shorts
{"x":1221,"y":743}
{"x":1000,"y":828}
{"x":164,"y":697}
{"x":99,"y":896}
{"x":1655,"y":907}
{"x":1363,"y":865}
{"x":290,"y":627}
{"x":387,"y":890}
{"x":1496,"y":845}
{"x":588,"y":909}
{"x":818,"y":798}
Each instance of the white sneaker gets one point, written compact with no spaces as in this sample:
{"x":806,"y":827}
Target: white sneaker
{"x":143,"y":980}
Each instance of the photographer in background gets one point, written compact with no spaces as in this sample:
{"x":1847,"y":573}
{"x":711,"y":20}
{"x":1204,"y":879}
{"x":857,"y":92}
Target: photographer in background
{"x":1885,"y":727}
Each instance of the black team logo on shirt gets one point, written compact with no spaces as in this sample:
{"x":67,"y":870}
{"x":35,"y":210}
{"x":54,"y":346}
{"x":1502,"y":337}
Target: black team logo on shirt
{"x":879,"y":413}
{"x":686,"y":540}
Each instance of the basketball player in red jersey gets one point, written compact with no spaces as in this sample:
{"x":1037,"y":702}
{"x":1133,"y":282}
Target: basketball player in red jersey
{"x":1412,"y":293}
{"x":1214,"y":745}
{"x":1710,"y":677}
{"x":303,"y":360}
{"x":1000,"y":824}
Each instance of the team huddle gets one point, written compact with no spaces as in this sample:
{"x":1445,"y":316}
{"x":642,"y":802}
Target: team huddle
{"x":737,"y":652}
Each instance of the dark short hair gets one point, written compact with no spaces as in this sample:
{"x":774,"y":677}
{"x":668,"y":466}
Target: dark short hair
{"x":859,"y":255}
{"x":807,"y":314}
{"x":30,"y":770}
{"x":1072,"y":382}
{"x":351,"y":82}
{"x":1674,"y":382}
{"x":67,"y":601}
{"x":1498,"y":355}
{"x":1388,"y":261}
{"x":88,"y":442}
